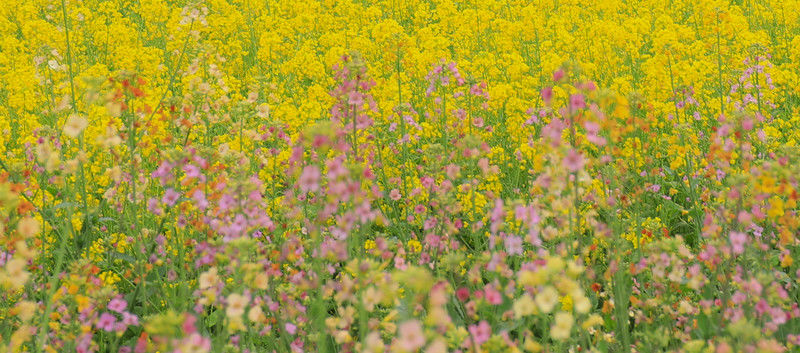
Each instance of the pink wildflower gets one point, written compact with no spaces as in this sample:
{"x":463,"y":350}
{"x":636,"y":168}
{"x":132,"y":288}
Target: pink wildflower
{"x":574,"y":161}
{"x":738,"y":240}
{"x":462,"y":294}
{"x":559,"y":75}
{"x":290,"y":328}
{"x":480,"y":332}
{"x":547,"y":95}
{"x":355,"y":98}
{"x":492,"y":295}
{"x":153,"y":206}
{"x":513,"y":245}
{"x":576,"y":101}
{"x":309,"y":179}
{"x":130,"y":319}
{"x":117,"y":305}
{"x":106,"y":322}
{"x":497,"y":215}
{"x":170,"y":197}
{"x":199,"y":199}
{"x":410,"y":335}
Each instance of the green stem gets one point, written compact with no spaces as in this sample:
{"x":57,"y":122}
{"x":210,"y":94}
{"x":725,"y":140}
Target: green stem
{"x":719,"y":70}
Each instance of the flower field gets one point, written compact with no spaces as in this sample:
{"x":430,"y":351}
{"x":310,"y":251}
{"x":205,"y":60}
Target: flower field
{"x":399,"y":176}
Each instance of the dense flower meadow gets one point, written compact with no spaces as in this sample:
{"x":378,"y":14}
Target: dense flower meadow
{"x":399,"y":176}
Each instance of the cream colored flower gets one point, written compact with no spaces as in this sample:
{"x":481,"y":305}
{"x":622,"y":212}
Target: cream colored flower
{"x":546,"y":299}
{"x":373,"y":343}
{"x":371,"y":297}
{"x":256,"y":314}
{"x":75,"y":125}
{"x":236,"y":305}
{"x":15,"y":275}
{"x":262,"y":111}
{"x":208,"y":279}
{"x":25,"y":310}
{"x":593,"y":320}
{"x":524,"y":306}
{"x":28,"y":227}
{"x":562,"y":326}
{"x":438,"y":346}
{"x":582,"y":304}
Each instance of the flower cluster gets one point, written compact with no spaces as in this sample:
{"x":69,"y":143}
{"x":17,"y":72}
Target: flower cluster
{"x":414,"y":176}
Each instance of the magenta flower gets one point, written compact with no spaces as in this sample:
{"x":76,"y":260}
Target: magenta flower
{"x":553,"y":131}
{"x":192,"y":171}
{"x":130,"y":319}
{"x":492,"y":295}
{"x":84,"y":344}
{"x":163,"y":170}
{"x":117,"y":305}
{"x":497,"y":216}
{"x":153,"y":206}
{"x":355,"y":98}
{"x":226,"y":202}
{"x":106,"y":322}
{"x":170,"y":197}
{"x":738,"y":240}
{"x":199,"y":199}
{"x":762,"y":307}
{"x":559,"y":75}
{"x":513,"y":245}
{"x":574,"y":161}
{"x":462,"y":294}
{"x":576,"y":101}
{"x":547,"y":95}
{"x":480,"y":332}
{"x":779,"y":317}
{"x":197,"y":343}
{"x":309,"y":179}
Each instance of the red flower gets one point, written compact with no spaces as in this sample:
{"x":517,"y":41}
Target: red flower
{"x":462,"y":294}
